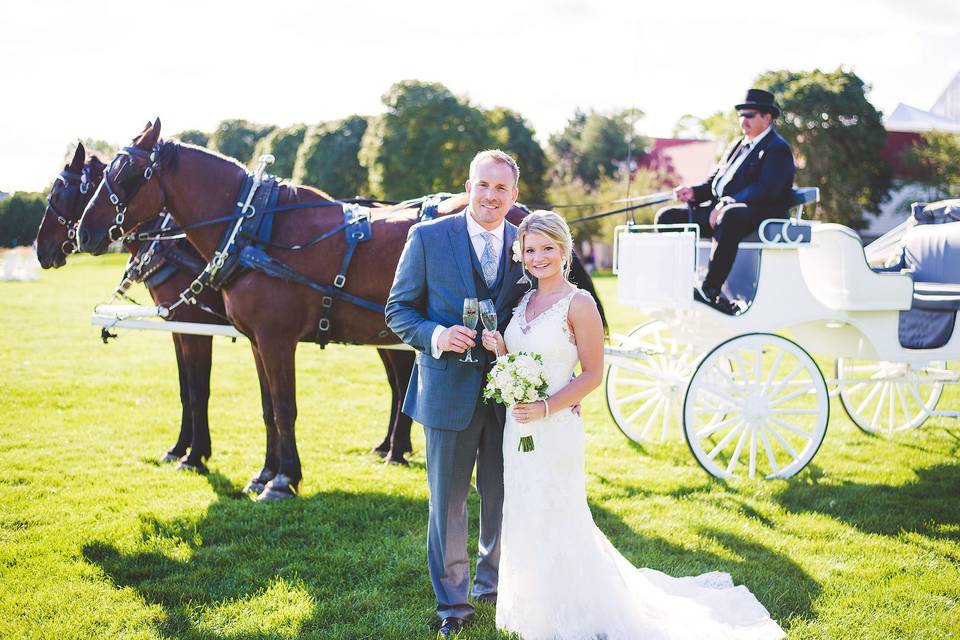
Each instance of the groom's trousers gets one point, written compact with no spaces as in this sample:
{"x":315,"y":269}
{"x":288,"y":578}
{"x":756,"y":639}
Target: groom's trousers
{"x":451,"y":456}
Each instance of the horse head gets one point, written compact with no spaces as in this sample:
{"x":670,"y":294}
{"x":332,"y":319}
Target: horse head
{"x":72,"y":189}
{"x":127,"y":196}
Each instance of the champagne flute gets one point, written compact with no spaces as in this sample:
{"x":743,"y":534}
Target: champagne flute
{"x":488,"y":315}
{"x":471,"y":313}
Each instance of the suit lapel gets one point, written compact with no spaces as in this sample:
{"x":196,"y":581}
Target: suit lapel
{"x":459,"y":242}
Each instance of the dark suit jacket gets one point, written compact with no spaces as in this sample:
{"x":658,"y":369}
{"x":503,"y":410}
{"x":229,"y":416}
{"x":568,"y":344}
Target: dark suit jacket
{"x":764,"y":179}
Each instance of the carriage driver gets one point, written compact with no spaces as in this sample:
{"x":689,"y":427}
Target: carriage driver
{"x":753,"y":182}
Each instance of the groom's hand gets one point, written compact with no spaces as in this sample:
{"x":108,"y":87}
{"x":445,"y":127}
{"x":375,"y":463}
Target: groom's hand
{"x":457,"y":338}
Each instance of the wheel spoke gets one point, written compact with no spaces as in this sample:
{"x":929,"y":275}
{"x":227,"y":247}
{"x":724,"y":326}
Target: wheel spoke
{"x":753,"y":453}
{"x":794,"y":428}
{"x":650,"y":418}
{"x":640,"y":395}
{"x":769,"y":449}
{"x":712,"y":428}
{"x":869,"y":398}
{"x":726,"y":439}
{"x":783,"y":442}
{"x":876,"y":412}
{"x":636,"y":382}
{"x":795,"y":412}
{"x":640,"y":410}
{"x":773,"y":371}
{"x":790,"y":396}
{"x":790,"y":376}
{"x":665,"y":421}
{"x":736,"y":452}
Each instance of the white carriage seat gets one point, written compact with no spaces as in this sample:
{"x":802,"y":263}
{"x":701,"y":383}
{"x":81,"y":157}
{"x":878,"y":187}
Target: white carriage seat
{"x":741,"y":284}
{"x":931,"y":254}
{"x":836,"y":272}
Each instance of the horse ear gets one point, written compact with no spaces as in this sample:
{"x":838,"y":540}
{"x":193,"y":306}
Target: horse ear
{"x":150,"y":136}
{"x":78,"y":157}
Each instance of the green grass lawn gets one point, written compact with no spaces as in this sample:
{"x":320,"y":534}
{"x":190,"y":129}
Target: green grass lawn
{"x":97,"y":540}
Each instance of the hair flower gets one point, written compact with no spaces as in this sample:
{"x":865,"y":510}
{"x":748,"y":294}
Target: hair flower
{"x":517,"y":252}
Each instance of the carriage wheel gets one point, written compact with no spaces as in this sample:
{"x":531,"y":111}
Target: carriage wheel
{"x":757,"y":404}
{"x":887,"y":397}
{"x":645,"y":396}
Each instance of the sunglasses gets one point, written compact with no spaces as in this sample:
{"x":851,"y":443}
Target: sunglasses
{"x":748,"y":114}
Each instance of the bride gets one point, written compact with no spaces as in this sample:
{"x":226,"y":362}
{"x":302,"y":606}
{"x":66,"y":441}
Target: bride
{"x":559,"y":575}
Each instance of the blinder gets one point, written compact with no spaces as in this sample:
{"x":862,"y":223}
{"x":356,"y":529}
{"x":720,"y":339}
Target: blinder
{"x":130,"y":184}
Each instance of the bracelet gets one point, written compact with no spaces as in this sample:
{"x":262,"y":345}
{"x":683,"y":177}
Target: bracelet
{"x":546,"y":409}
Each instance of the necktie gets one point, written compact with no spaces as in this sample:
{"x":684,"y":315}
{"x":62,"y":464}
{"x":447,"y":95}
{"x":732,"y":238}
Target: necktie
{"x":720,"y":182}
{"x":488,"y":260}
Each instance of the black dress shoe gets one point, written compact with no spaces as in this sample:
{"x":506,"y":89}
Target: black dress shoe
{"x":715,"y":299}
{"x":450,"y":628}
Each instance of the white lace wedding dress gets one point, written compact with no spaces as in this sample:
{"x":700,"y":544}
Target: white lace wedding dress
{"x":559,"y":575}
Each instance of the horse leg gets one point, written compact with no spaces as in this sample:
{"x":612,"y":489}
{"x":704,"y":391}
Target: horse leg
{"x":271,"y":463}
{"x":179,"y":449}
{"x":395,"y":398}
{"x":197,"y":356}
{"x":400,"y":434}
{"x":278,"y":358}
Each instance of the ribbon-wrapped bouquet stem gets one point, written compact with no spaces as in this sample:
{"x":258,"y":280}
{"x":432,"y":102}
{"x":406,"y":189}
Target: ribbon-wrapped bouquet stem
{"x":514,"y":379}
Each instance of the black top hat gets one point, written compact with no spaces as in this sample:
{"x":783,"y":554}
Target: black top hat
{"x":761,"y":101}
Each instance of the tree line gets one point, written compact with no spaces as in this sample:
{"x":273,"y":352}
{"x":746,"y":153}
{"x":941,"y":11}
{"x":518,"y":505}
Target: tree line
{"x":425,"y":137}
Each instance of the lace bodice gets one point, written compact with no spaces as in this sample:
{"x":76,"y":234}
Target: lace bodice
{"x":547,"y":334}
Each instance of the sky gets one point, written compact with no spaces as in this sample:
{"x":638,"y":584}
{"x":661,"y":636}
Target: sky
{"x":101,"y":69}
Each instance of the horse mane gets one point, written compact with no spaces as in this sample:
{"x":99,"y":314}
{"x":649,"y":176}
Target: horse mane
{"x":94,"y":160}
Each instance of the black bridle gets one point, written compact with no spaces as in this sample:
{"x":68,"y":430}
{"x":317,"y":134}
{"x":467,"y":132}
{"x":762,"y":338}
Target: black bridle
{"x":75,"y":185}
{"x":129,"y":183}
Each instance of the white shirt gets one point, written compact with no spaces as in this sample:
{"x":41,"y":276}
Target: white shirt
{"x":720,"y":182}
{"x":475,"y":231}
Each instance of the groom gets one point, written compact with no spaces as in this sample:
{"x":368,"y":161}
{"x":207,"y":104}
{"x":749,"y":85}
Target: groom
{"x":465,"y":255}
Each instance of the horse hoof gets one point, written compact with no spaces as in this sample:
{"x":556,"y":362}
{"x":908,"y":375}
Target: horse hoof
{"x":253,"y":487}
{"x":169,"y":457}
{"x":259,"y":481}
{"x":200,"y":468}
{"x":380,"y":452}
{"x":280,"y":488}
{"x":397,"y":460}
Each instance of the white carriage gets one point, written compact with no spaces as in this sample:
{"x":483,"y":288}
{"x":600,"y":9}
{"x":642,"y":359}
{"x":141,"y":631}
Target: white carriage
{"x":750,"y":397}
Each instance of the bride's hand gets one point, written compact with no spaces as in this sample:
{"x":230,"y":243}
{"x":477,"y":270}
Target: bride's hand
{"x":529,"y":411}
{"x":493,"y":341}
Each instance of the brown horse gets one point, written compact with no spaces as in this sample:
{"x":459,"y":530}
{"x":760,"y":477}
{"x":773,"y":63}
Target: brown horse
{"x":198,"y":187}
{"x":70,"y":193}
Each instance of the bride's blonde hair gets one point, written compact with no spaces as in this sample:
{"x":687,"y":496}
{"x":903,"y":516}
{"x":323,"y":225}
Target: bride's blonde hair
{"x":551,"y":225}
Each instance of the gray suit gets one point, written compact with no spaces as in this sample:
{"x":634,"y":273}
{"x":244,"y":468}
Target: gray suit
{"x":437,"y":270}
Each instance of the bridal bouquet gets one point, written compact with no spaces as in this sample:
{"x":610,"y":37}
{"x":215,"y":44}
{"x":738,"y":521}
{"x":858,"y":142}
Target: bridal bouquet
{"x":514,"y":379}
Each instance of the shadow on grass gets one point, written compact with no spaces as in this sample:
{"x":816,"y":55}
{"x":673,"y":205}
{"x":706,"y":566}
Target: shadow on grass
{"x":927,"y":506}
{"x":330,"y":565}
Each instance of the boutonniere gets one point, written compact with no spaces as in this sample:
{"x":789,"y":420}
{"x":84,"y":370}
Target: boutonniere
{"x":760,"y":155}
{"x":517,"y":252}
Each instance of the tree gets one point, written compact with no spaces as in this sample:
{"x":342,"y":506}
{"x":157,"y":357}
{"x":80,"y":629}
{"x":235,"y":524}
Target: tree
{"x":837,"y":137}
{"x":424,"y":142}
{"x":720,"y":125}
{"x":513,"y":134}
{"x":595,"y":144}
{"x":194,"y":136}
{"x":20,"y":216}
{"x":327,"y":159}
{"x":572,"y":191}
{"x":100,"y":148}
{"x":935,"y":163}
{"x":237,"y":138}
{"x":283,"y":144}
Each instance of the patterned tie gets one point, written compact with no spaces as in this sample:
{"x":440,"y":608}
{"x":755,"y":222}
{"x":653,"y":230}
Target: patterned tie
{"x":488,"y":260}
